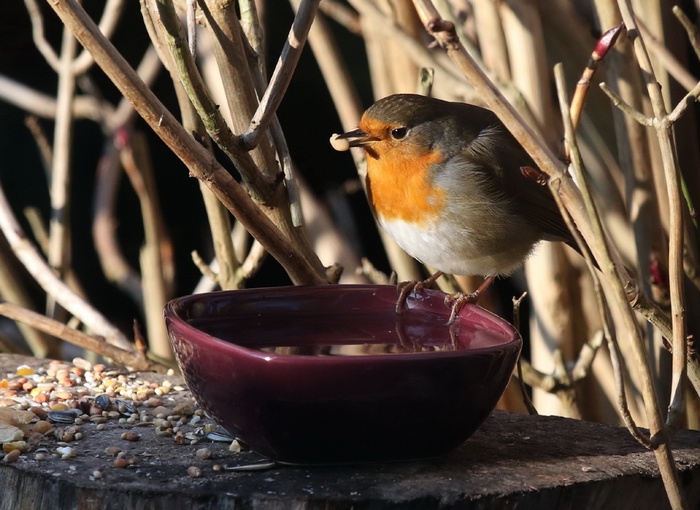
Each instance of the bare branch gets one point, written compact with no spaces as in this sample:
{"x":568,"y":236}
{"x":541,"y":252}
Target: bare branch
{"x":690,"y":28}
{"x":126,"y":357}
{"x":40,"y":41}
{"x":43,"y":105}
{"x":626,"y":108}
{"x":282,"y":74}
{"x":207,"y":109}
{"x":42,"y":273}
{"x":200,"y":163}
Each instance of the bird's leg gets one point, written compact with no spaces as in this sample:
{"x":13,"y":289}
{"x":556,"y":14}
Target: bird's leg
{"x":405,"y":288}
{"x":459,"y":299}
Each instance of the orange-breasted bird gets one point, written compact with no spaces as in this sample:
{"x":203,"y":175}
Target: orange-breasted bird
{"x":449,"y":183}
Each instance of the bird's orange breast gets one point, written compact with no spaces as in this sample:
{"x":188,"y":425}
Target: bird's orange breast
{"x":400,"y":186}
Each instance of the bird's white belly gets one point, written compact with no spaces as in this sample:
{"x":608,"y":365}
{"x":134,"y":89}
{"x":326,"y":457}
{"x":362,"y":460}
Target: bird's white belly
{"x":452,"y":252}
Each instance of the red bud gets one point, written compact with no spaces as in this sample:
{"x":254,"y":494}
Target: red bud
{"x":607,"y":41}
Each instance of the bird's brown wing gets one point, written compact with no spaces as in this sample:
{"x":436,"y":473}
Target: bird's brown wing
{"x":535,"y":200}
{"x":510,"y":164}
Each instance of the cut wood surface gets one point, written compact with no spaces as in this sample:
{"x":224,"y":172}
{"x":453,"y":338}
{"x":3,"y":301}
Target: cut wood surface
{"x":511,"y":461}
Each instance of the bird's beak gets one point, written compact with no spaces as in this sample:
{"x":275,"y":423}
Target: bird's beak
{"x":357,"y":138}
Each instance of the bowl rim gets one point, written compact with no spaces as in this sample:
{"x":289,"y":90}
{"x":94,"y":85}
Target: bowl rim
{"x":171,"y":315}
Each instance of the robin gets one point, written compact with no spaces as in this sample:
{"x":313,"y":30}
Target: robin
{"x":451,"y":185}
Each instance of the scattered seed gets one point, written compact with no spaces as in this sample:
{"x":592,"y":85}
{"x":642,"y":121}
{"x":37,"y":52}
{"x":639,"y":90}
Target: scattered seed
{"x":82,"y":363}
{"x":102,"y":401}
{"x":66,"y":452}
{"x":14,"y":445}
{"x":25,"y":370}
{"x":12,"y":456}
{"x":40,"y":412}
{"x":161,"y":410}
{"x":255,"y":466}
{"x":63,"y":415}
{"x":130,"y":436}
{"x":112,"y":450}
{"x":203,"y":454}
{"x":42,"y":427}
{"x":339,"y":144}
{"x":194,"y":472}
{"x":41,"y":398}
{"x":153,"y":402}
{"x":121,"y":462}
{"x":219,"y":436}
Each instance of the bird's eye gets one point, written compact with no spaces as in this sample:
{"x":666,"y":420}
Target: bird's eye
{"x":399,"y":133}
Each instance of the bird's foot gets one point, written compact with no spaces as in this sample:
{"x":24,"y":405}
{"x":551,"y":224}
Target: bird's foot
{"x":405,"y":288}
{"x":459,"y":299}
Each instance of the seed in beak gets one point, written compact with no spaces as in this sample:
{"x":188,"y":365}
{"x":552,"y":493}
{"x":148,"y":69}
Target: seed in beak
{"x":355,"y":138}
{"x":338,"y":143}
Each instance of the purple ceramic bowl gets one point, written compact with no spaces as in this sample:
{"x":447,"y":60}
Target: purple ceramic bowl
{"x":331,"y":374}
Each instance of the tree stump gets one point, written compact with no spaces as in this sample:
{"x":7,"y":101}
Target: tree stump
{"x":511,"y":461}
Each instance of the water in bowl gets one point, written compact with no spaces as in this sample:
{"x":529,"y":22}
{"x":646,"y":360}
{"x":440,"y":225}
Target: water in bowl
{"x":344,"y":334}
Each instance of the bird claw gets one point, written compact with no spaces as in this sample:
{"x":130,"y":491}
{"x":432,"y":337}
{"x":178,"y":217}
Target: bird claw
{"x":405,"y":288}
{"x":457,"y":301}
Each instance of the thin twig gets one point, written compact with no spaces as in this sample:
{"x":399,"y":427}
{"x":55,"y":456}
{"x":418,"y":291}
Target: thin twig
{"x":342,"y":15}
{"x":136,"y":161}
{"x":148,"y":70}
{"x":492,"y":42}
{"x":192,"y":27}
{"x":690,"y":29}
{"x":250,"y":23}
{"x":42,"y":142}
{"x":95,"y":344}
{"x":107,"y":25}
{"x":12,"y":287}
{"x":668,"y":60}
{"x":43,"y":105}
{"x":521,"y":383}
{"x":203,"y":267}
{"x":58,"y":253}
{"x":626,"y":108}
{"x":253,"y":261}
{"x":38,"y":34}
{"x":104,"y":232}
{"x":282,"y":74}
{"x":689,"y":99}
{"x":42,"y":273}
{"x":604,"y":44}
